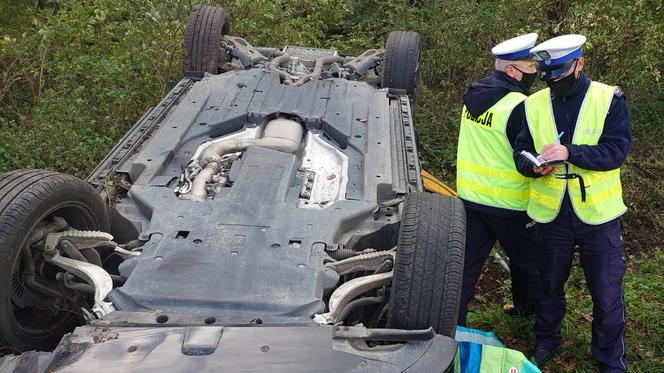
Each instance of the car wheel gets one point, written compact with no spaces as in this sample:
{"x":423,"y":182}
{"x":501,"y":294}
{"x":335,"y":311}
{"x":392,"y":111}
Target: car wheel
{"x":401,"y":63}
{"x":35,"y":308}
{"x":202,"y":51}
{"x":428,"y":270}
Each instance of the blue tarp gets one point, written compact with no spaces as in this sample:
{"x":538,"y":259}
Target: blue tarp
{"x":482,"y":352}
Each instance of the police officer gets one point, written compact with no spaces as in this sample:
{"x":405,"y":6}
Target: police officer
{"x":586,"y":124}
{"x":495,"y":195}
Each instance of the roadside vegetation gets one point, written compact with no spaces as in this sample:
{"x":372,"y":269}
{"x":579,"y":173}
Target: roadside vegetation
{"x":74,"y":76}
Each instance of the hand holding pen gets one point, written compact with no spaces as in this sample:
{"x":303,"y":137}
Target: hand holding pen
{"x":552,"y":151}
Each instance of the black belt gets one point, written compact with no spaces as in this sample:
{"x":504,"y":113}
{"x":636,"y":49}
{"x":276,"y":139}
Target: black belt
{"x":582,"y":184}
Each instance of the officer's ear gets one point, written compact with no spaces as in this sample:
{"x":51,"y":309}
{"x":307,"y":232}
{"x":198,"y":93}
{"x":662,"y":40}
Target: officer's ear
{"x":509,"y":70}
{"x":580,"y":64}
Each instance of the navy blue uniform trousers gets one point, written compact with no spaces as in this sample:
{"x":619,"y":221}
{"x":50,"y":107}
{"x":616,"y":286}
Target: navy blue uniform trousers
{"x":517,"y":236}
{"x":600,"y":248}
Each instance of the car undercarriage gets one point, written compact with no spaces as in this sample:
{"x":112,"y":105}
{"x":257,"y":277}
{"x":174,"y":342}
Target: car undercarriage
{"x":267,"y":214}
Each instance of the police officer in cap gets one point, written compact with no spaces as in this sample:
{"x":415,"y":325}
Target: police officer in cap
{"x":587,"y":125}
{"x":495,"y":195}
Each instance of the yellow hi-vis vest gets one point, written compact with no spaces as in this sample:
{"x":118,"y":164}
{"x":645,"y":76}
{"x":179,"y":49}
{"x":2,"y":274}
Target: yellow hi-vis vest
{"x":485,"y":168}
{"x":603,"y":189}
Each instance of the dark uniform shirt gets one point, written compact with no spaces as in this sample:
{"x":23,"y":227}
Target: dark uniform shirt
{"x":481,"y":96}
{"x":610,"y":151}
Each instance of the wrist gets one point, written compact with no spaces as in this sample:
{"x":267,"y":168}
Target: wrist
{"x":570,"y":152}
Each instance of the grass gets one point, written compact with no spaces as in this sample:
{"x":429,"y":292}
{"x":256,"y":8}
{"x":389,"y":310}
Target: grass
{"x":644,"y":300}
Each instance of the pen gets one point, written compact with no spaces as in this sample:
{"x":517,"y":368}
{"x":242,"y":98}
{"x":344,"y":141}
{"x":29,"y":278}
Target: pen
{"x":560,"y":135}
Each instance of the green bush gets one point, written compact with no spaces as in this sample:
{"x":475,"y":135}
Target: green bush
{"x":75,"y":77}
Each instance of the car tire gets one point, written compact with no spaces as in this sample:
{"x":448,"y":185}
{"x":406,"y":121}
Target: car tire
{"x":401,"y":63}
{"x":205,"y":28}
{"x":428,"y":270}
{"x":29,"y":198}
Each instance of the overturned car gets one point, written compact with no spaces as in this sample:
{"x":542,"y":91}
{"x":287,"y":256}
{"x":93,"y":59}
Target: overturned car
{"x":267,"y":215}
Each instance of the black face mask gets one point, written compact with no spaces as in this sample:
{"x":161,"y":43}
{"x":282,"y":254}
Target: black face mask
{"x":565,"y":86}
{"x":527,"y":80}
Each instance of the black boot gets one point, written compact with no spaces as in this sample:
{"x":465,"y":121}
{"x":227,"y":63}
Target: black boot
{"x":542,"y":355}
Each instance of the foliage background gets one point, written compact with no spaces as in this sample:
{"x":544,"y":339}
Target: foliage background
{"x":75,"y":75}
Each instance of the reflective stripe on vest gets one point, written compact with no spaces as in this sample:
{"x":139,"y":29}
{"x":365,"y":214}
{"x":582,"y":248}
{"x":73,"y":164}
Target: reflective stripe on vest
{"x":485,"y":168}
{"x":603,"y":188}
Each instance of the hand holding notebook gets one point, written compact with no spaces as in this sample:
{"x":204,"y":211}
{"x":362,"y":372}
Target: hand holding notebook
{"x":538,"y":161}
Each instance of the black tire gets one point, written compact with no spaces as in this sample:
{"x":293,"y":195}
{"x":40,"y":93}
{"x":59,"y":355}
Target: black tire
{"x":428,"y":270}
{"x":401,"y":63}
{"x":201,"y":39}
{"x":29,"y":198}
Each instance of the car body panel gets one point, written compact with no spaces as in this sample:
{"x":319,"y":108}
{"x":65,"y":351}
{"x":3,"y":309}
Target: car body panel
{"x":231,"y":349}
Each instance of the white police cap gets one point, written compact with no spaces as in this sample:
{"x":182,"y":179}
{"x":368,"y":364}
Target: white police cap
{"x":556,"y":55}
{"x":515,"y":48}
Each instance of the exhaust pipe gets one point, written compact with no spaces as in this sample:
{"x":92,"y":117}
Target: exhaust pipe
{"x":280,"y":134}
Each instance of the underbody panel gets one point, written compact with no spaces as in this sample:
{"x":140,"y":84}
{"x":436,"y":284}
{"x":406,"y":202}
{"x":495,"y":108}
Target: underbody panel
{"x":256,"y":249}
